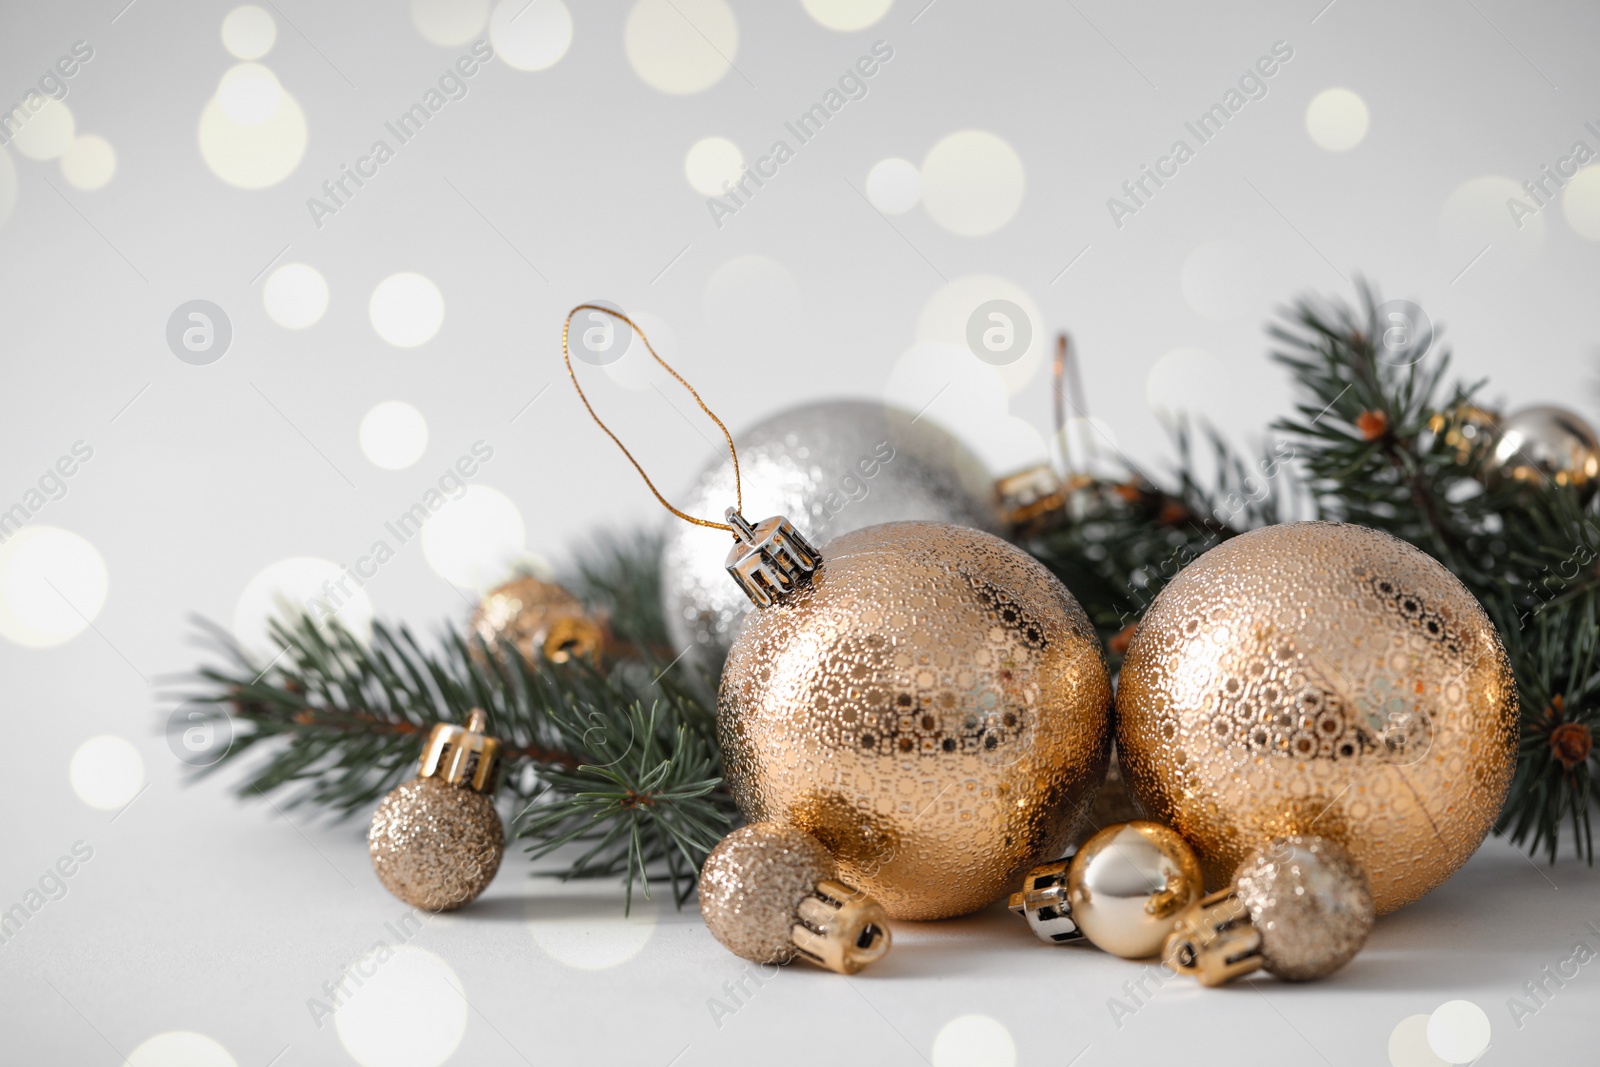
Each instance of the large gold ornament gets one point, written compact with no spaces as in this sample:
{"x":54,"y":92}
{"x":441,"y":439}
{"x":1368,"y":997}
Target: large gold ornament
{"x":931,"y":705}
{"x":1321,"y":678}
{"x":437,"y":840}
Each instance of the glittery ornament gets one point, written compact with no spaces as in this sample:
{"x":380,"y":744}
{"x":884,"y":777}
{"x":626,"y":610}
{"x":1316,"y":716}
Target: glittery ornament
{"x":1321,"y":677}
{"x":831,"y":468}
{"x":543,"y":621}
{"x":1547,"y":446}
{"x":437,"y":840}
{"x":1300,"y":908}
{"x":931,"y":705}
{"x":769,"y":894}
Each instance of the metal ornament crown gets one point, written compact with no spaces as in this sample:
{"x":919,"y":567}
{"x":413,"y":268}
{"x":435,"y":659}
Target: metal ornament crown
{"x":1214,"y":940}
{"x":770,"y":559}
{"x":1043,"y":902}
{"x":463,"y":755}
{"x":840,"y":928}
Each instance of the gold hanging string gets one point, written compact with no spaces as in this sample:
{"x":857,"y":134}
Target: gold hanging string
{"x":1065,"y":380}
{"x":738,"y":492}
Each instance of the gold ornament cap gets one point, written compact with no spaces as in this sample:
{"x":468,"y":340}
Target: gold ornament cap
{"x":1300,"y":909}
{"x":768,"y":893}
{"x":463,"y":756}
{"x":1030,"y":499}
{"x":1214,"y":940}
{"x":770,"y":559}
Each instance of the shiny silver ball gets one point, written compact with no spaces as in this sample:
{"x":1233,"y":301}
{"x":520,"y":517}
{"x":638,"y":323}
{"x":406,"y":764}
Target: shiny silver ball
{"x":1548,"y":445}
{"x":832,"y":467}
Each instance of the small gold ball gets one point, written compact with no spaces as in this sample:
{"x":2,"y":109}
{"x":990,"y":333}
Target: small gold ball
{"x":1310,"y":903}
{"x":1321,"y":677}
{"x":932,"y":706}
{"x":434,"y":845}
{"x":1127,"y":885}
{"x":752,"y":883}
{"x":543,"y":621}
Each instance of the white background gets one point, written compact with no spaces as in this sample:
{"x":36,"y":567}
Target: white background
{"x":544,"y":187}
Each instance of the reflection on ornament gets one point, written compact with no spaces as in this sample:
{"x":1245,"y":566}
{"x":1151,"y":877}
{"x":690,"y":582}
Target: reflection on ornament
{"x":436,"y":841}
{"x":831,"y":468}
{"x":1321,"y":678}
{"x":1123,"y":890}
{"x":1465,"y":429}
{"x":768,"y":892}
{"x":543,"y":621}
{"x":1544,"y":445}
{"x":1299,"y":908}
{"x":932,"y":705}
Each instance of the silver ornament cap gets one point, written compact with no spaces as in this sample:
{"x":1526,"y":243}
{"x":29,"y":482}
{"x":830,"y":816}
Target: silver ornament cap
{"x":770,"y":559}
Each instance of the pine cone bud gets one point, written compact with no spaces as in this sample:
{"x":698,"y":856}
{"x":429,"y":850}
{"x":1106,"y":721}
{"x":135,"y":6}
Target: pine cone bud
{"x":1570,"y":744}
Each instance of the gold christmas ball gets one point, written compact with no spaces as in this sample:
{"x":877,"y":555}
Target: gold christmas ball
{"x":1311,"y":904}
{"x":932,"y":706}
{"x":1547,"y":445}
{"x":1127,"y":885}
{"x":1324,"y":678}
{"x":436,"y":845}
{"x":541,"y":619}
{"x":767,"y":892}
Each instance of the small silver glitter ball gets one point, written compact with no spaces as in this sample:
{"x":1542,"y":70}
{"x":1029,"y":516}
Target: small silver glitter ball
{"x":831,"y":467}
{"x":1309,"y":901}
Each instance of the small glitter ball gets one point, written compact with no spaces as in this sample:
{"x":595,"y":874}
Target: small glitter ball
{"x":752,"y":884}
{"x":434,"y":845}
{"x":1310,"y":903}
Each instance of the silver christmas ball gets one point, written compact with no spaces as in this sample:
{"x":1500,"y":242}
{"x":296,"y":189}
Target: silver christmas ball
{"x":1548,"y":444}
{"x":833,"y":467}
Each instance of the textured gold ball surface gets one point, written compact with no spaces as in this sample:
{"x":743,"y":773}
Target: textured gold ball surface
{"x":540,"y":618}
{"x":932,"y":706}
{"x":434,"y":845}
{"x":752,"y":883}
{"x":1127,"y":885}
{"x":1311,"y":904}
{"x":1321,"y":678}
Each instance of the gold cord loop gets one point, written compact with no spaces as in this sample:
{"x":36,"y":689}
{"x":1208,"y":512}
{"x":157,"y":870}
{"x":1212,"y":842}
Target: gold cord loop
{"x":566,"y":355}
